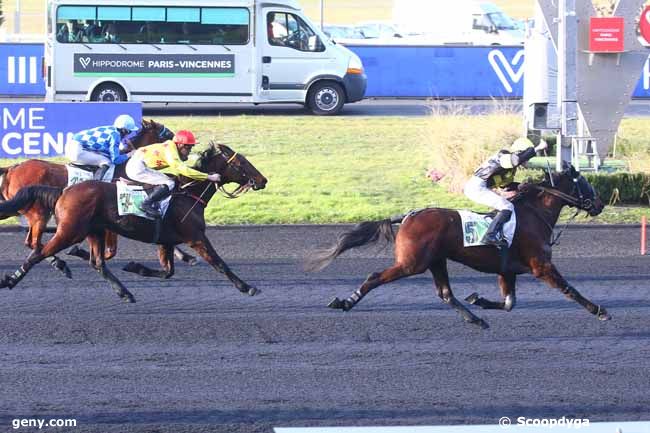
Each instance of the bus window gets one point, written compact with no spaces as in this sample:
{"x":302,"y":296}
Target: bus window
{"x":152,"y":25}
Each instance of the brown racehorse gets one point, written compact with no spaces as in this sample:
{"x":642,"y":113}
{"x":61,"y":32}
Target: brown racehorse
{"x":37,"y":172}
{"x":428,"y":238}
{"x":89,"y":208}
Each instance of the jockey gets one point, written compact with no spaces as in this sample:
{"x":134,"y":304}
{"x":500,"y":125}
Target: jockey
{"x":497,"y":172}
{"x":170,"y":155}
{"x":100,"y":146}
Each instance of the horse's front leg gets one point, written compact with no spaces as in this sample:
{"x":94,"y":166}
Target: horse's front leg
{"x":208,"y":253}
{"x":507,"y":286}
{"x":546,"y":271}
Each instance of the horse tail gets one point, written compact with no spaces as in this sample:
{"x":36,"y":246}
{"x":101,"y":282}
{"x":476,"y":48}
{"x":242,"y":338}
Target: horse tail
{"x":362,"y":234}
{"x":46,"y":196}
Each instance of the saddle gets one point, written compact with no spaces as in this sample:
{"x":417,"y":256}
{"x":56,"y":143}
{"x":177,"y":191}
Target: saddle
{"x":131,"y":194}
{"x":78,"y":173}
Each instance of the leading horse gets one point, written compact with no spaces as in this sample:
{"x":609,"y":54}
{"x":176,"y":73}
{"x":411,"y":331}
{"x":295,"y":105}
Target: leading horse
{"x":428,"y":238}
{"x":88,"y":209}
{"x":38,"y":172}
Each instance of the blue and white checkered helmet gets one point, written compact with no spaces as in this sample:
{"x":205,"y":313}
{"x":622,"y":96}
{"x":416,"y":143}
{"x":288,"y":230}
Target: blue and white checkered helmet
{"x":124,"y":121}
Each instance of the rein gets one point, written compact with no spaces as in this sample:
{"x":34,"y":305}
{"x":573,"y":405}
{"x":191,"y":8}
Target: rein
{"x":561,"y":195}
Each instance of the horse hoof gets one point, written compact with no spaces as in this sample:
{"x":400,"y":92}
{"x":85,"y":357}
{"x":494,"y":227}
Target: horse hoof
{"x":336,"y":304}
{"x":129,"y":299}
{"x":603,"y":315}
{"x":472,"y":298}
{"x":192,"y":261}
{"x":253,"y":291}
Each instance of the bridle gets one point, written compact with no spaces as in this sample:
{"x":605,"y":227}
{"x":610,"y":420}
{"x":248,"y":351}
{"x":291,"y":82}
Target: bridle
{"x":576,"y":200}
{"x":241,"y":189}
{"x":238,"y":192}
{"x":579,"y":202}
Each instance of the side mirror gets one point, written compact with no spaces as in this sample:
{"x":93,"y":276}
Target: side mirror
{"x":493,"y":29}
{"x":312,"y":43}
{"x":397,"y":35}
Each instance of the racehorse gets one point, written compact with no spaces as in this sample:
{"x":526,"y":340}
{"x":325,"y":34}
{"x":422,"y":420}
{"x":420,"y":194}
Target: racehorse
{"x":89,"y":208}
{"x":430,"y":237}
{"x":37,"y":172}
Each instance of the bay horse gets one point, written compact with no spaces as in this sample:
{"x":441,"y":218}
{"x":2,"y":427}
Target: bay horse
{"x":88,"y":209}
{"x":38,"y":172}
{"x":430,"y":237}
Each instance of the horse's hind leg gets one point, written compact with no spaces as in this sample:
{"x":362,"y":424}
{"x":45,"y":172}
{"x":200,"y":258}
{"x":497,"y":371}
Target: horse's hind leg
{"x":37,"y":222}
{"x":208,"y":253}
{"x":97,"y":262}
{"x":185,"y":257}
{"x":507,"y":285}
{"x":166,"y":257}
{"x":441,"y":279}
{"x":376,"y":279}
{"x":56,"y":244}
{"x":549,"y":273}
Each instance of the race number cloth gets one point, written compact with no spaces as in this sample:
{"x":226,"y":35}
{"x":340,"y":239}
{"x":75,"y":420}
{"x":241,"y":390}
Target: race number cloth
{"x":476,"y":225}
{"x":77,"y":175}
{"x":130,"y":197}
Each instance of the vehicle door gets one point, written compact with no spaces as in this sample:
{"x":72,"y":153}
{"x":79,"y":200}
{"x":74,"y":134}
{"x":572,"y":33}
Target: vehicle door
{"x":292,"y":53}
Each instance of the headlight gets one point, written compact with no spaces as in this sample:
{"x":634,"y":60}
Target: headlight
{"x":355,"y":66}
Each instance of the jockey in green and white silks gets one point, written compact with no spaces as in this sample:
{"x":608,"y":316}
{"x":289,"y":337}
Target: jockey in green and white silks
{"x":498,"y":171}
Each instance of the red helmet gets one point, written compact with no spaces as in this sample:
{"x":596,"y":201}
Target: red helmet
{"x":184,"y":138}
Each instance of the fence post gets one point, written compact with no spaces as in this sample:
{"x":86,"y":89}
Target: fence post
{"x":17,"y":18}
{"x":643,"y":235}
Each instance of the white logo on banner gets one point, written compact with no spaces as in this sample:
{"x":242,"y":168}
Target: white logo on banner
{"x":646,"y":75}
{"x":85,"y":61}
{"x":22,"y":70}
{"x":505,"y":70}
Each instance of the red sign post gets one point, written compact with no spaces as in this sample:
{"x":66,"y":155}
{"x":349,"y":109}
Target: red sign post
{"x":644,"y":24}
{"x":607,"y":35}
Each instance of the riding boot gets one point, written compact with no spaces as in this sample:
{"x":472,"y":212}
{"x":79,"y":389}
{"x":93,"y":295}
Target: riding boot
{"x":150,"y":204}
{"x":494,"y":235}
{"x":101,"y":171}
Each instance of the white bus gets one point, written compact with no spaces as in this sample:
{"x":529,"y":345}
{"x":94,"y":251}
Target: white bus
{"x":230,"y":51}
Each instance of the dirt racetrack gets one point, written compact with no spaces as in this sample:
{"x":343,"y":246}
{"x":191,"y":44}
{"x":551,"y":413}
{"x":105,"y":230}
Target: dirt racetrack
{"x":194,"y":355}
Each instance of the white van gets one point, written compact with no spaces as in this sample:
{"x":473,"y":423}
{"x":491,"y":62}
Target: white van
{"x":469,"y":22}
{"x":249,"y":51}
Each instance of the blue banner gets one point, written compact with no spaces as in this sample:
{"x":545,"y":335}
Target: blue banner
{"x":21,"y":70}
{"x":451,"y":71}
{"x":393,"y":71}
{"x":41,"y":129}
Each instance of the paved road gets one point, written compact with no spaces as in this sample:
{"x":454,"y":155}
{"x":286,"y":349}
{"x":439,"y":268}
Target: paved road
{"x":193,"y":355}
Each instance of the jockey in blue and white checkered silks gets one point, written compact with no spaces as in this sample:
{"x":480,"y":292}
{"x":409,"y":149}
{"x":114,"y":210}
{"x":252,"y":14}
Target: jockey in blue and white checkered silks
{"x":498,"y":171}
{"x":100,"y":146}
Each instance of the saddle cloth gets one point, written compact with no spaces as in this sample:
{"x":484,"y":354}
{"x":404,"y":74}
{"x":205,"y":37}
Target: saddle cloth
{"x":476,"y":225}
{"x":130,"y":197}
{"x":77,"y":175}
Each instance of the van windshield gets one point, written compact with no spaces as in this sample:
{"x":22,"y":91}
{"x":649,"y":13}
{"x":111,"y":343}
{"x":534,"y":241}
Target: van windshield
{"x":502,"y":21}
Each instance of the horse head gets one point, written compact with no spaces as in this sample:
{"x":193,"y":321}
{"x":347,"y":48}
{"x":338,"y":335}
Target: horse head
{"x":233,"y":168}
{"x":575,"y":190}
{"x":151,"y":132}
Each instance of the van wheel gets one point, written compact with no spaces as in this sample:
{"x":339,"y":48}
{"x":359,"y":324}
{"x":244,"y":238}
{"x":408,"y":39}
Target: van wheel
{"x":326,"y":98}
{"x":108,"y":92}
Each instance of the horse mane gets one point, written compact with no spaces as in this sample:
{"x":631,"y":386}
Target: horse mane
{"x":213,"y":149}
{"x":527,"y":190}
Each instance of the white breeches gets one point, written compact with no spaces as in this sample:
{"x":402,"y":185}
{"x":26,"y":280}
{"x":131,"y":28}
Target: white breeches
{"x":77,"y":154}
{"x":137,"y":170}
{"x":476,"y":190}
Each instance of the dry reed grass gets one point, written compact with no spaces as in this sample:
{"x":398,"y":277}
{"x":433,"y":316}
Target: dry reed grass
{"x":460,"y":141}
